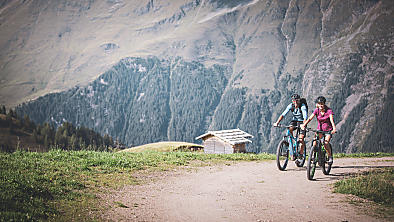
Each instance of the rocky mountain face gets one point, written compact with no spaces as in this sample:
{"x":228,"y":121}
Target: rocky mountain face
{"x":147,"y":71}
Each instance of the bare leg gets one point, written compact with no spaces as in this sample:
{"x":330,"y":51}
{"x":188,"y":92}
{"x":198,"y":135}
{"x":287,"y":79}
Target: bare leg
{"x":291,"y":130}
{"x":327,"y":145}
{"x":301,"y":140}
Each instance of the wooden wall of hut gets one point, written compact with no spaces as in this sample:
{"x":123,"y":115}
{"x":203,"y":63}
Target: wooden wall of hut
{"x":215,"y":145}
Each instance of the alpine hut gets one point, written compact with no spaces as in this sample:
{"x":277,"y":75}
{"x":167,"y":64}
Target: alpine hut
{"x":225,"y":141}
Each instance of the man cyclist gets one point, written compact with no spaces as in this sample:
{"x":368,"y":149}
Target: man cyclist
{"x":300,"y":114}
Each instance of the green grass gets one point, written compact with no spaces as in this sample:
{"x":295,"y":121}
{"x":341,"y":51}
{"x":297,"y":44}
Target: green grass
{"x":377,"y":185}
{"x":362,"y":155}
{"x":169,"y":146}
{"x":62,"y":185}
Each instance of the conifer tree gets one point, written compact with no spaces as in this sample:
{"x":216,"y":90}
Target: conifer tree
{"x":3,"y":110}
{"x":73,"y":142}
{"x":46,"y":142}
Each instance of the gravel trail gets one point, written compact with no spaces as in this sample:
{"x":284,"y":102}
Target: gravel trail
{"x":245,"y":191}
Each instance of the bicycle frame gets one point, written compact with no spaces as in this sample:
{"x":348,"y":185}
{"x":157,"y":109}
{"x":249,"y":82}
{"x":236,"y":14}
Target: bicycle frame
{"x":321,"y":140}
{"x":293,"y":141}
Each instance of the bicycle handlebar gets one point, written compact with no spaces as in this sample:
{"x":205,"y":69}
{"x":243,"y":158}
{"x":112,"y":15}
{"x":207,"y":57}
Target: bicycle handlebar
{"x":283,"y":126}
{"x":307,"y":129}
{"x":318,"y":131}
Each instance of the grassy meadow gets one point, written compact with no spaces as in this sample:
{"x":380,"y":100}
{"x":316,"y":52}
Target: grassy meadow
{"x":63,"y":185}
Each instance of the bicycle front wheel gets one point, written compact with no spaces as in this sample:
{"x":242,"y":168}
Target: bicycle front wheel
{"x":312,"y":161}
{"x":282,"y":155}
{"x":326,"y":168}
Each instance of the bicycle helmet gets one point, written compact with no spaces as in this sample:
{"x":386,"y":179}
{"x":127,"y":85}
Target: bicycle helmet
{"x":321,"y":99}
{"x":295,"y":97}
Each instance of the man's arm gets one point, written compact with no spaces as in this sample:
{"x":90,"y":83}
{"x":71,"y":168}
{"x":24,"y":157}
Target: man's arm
{"x":278,"y":121}
{"x":282,"y":115}
{"x":304,"y":113}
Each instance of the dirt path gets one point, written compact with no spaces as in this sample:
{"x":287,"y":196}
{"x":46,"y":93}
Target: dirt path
{"x":247,"y":191}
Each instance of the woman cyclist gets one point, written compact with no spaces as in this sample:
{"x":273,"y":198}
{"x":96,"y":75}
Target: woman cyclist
{"x":325,"y":122}
{"x":300,"y":113}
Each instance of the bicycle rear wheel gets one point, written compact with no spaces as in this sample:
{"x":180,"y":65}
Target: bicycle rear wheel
{"x":326,"y":168}
{"x":300,"y":161}
{"x":312,"y":161}
{"x":282,"y":155}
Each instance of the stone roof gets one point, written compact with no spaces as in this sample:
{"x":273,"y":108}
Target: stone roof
{"x":232,"y":136}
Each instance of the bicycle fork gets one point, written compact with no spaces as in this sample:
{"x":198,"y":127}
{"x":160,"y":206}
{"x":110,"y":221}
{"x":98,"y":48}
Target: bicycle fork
{"x":289,"y":140}
{"x":320,"y":149}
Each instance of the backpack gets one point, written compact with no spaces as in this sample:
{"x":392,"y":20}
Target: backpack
{"x":302,"y":101}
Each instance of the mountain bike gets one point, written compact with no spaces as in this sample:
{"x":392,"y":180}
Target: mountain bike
{"x":318,"y":155}
{"x":289,"y":145}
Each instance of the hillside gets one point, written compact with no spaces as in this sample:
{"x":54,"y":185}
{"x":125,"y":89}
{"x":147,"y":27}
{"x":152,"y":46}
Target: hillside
{"x":13,"y":136}
{"x":21,"y":134}
{"x":147,"y":71}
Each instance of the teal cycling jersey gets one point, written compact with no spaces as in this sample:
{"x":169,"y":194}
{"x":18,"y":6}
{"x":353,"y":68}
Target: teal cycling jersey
{"x":299,"y":114}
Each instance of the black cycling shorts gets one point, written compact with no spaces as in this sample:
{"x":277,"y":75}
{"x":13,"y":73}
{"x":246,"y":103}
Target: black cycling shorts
{"x":298,"y":123}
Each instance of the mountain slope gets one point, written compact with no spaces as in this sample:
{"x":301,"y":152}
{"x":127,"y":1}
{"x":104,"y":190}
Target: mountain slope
{"x":139,"y":100}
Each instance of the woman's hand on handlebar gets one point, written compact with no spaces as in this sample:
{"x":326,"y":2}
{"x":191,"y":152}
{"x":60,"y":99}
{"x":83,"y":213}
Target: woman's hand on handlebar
{"x":333,"y":131}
